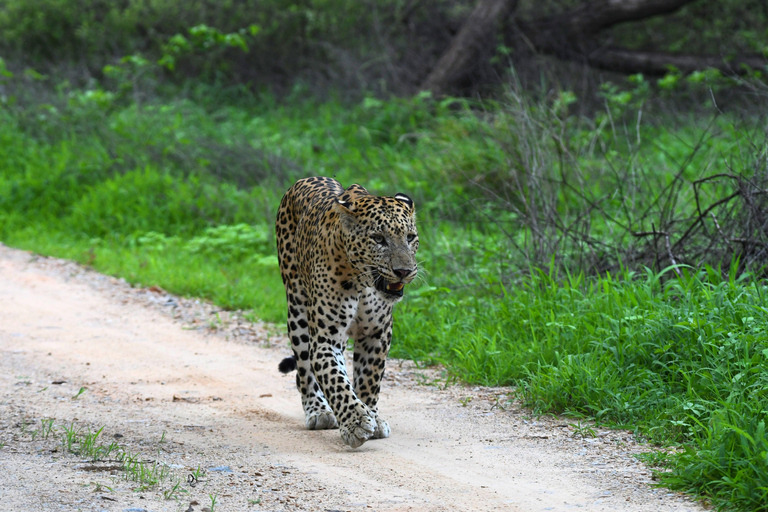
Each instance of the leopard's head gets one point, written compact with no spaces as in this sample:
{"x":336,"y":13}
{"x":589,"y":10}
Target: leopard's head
{"x":380,"y":240}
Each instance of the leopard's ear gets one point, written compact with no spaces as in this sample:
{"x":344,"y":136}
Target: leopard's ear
{"x":356,"y":190}
{"x":347,"y":212}
{"x":345,"y":206}
{"x":405,"y":199}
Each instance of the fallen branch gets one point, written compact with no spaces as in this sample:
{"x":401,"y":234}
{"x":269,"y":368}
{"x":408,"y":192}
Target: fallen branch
{"x":659,"y":63}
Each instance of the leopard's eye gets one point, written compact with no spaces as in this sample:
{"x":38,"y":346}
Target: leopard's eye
{"x":379,"y":239}
{"x":411,"y":237}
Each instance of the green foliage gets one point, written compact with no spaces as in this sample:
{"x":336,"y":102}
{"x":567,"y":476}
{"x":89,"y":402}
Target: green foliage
{"x":267,"y":43}
{"x":183,"y":195}
{"x":620,"y":98}
{"x":731,"y":463}
{"x":714,"y":27}
{"x":676,"y":360}
{"x":147,"y":200}
{"x":4,"y":73}
{"x":535,"y":272}
{"x":234,"y":242}
{"x":203,"y":39}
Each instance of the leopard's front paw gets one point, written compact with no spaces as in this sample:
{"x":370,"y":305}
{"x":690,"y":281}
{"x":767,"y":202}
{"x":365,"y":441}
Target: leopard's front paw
{"x":360,"y":428}
{"x":382,"y":429}
{"x":321,"y":420}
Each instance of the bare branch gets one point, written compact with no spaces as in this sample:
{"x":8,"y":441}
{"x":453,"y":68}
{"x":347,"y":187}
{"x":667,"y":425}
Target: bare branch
{"x":650,"y":233}
{"x":672,"y":257}
{"x":659,"y":63}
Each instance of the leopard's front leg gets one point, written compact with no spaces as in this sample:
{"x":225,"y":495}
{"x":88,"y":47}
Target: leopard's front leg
{"x":372,"y":342}
{"x":357,"y":421}
{"x":370,"y":358}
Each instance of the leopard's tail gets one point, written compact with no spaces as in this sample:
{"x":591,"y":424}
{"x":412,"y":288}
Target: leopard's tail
{"x":287,"y":365}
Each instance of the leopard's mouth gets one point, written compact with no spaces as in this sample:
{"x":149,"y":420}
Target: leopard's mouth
{"x":387,"y":288}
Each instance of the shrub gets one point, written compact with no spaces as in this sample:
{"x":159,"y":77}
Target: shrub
{"x":150,"y":200}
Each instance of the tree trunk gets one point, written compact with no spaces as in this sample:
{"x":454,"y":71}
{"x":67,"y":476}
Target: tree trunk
{"x":475,"y":35}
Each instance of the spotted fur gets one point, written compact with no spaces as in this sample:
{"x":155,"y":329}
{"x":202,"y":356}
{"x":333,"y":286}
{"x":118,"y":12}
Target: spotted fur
{"x":345,"y":256}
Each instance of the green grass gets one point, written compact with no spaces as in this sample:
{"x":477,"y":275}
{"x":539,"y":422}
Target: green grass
{"x":183,"y":196}
{"x":678,"y":360}
{"x":251,"y":282}
{"x":87,"y":445}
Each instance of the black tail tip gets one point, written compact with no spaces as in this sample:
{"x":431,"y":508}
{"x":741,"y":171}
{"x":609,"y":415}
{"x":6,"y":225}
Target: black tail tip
{"x":287,"y":365}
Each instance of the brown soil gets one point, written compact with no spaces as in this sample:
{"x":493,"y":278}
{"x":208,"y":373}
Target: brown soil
{"x":197,"y":390}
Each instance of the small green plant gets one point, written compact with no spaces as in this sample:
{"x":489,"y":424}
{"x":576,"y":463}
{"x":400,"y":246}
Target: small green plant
{"x":215,"y":322}
{"x":213,"y":498}
{"x":99,"y":487}
{"x":196,"y":476}
{"x":46,"y":427}
{"x":465,"y":401}
{"x":146,"y":473}
{"x":80,"y":392}
{"x":499,"y":403}
{"x":69,"y":437}
{"x":174,"y":491}
{"x":426,"y":380}
{"x":106,"y":451}
{"x":84,"y":442}
{"x":582,"y":431}
{"x":88,"y":444}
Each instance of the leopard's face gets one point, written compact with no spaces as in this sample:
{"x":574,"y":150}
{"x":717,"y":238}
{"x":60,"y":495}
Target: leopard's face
{"x":381,"y":241}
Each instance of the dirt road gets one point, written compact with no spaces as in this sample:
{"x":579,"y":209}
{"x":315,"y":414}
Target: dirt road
{"x":199,"y":393}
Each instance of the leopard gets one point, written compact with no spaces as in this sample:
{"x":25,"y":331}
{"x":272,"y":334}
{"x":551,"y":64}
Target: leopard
{"x":345,"y":257}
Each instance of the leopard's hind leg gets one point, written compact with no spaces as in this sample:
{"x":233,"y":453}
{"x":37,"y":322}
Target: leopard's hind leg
{"x":318,"y":414}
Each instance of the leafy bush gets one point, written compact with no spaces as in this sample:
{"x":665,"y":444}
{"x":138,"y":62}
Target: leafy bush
{"x":148,"y":200}
{"x":235,"y":242}
{"x":316,"y":41}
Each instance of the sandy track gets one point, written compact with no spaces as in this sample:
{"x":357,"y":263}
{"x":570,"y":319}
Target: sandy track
{"x":223,"y":407}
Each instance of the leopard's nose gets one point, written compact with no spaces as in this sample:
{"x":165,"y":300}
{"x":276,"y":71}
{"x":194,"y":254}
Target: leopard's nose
{"x":402,"y":273}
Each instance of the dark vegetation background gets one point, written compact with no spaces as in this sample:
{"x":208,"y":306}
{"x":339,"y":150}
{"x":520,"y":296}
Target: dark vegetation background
{"x":359,"y":47}
{"x":590,"y":178}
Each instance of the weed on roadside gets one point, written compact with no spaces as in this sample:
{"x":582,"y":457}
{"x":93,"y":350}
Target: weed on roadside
{"x":582,"y":431}
{"x":214,"y":498}
{"x":175,"y":491}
